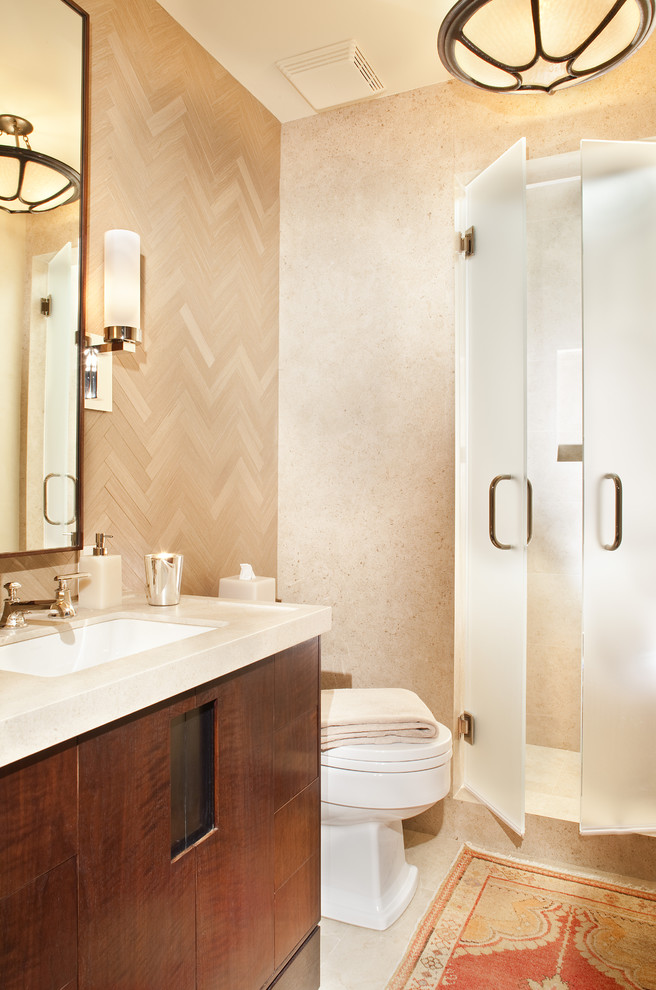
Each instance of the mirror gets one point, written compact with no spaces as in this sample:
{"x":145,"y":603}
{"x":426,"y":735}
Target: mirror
{"x":42,"y":84}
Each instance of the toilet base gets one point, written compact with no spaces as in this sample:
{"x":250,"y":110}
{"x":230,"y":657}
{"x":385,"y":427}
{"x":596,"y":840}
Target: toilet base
{"x":365,"y":879}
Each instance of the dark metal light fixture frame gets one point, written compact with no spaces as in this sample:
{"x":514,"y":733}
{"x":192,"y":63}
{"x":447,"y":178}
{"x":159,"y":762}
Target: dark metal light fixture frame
{"x":454,"y":26}
{"x":18,"y":127}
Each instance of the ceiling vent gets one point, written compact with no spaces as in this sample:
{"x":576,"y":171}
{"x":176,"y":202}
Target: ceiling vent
{"x":332,"y":76}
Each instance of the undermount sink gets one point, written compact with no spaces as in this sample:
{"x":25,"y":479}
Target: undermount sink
{"x":68,"y":650}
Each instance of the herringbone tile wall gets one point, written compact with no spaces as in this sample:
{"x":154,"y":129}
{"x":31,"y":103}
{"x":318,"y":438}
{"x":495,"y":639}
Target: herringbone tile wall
{"x":182,"y":154}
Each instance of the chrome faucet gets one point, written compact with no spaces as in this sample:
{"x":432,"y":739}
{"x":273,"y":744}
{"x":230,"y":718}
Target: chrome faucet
{"x":61,"y":606}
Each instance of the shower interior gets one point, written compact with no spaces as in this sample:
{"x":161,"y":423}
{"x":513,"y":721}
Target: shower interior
{"x":554,"y":437}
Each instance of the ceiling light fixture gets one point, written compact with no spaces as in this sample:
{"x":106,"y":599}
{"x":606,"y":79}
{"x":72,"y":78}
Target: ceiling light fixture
{"x":31,"y":182}
{"x":528,"y":46}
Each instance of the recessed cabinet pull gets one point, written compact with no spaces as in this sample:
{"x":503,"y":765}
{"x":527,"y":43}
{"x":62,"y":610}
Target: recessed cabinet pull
{"x":617,"y":482}
{"x":493,"y":511}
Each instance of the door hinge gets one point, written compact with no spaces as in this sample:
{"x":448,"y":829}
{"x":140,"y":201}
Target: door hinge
{"x":466,"y":727}
{"x":46,"y":305}
{"x":467,"y":243}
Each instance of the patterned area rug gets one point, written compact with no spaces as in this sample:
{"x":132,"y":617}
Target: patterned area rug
{"x":498,"y":924}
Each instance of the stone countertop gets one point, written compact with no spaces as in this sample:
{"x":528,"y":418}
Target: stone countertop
{"x":39,"y":712}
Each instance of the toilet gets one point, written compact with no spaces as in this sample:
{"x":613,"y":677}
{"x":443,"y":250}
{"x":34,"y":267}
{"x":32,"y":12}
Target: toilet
{"x":366,"y":792}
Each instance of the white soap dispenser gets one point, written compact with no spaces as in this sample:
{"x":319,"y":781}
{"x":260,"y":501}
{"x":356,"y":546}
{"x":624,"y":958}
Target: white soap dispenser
{"x":103,"y":588}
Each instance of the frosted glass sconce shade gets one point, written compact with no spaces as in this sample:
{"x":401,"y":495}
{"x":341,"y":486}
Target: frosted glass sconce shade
{"x":122,"y":288}
{"x":519,"y":46}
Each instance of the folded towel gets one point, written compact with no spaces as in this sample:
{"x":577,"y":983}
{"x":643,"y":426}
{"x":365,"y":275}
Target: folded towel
{"x":353,"y":716}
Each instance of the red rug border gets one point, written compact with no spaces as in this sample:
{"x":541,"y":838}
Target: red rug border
{"x":462,"y":860}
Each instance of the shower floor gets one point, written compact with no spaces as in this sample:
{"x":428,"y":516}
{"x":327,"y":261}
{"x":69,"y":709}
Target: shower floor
{"x":553,"y":783}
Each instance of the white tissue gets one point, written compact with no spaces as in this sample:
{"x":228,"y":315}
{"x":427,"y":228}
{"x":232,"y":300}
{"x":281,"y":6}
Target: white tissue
{"x":246,"y":573}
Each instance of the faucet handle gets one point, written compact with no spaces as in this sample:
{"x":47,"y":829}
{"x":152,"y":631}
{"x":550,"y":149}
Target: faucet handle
{"x":13,"y":615}
{"x":12,"y":591}
{"x":62,"y":605}
{"x":63,"y":578}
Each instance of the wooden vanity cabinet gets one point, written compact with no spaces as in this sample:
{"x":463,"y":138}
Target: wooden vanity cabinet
{"x":97,"y":892}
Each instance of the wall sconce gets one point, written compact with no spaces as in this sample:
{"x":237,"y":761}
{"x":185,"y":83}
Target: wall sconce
{"x":122,"y":290}
{"x":513,"y":46}
{"x":122,"y":317}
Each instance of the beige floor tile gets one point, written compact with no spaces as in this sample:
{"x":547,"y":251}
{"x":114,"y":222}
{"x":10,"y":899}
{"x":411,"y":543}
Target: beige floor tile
{"x":553,"y":783}
{"x":355,"y":958}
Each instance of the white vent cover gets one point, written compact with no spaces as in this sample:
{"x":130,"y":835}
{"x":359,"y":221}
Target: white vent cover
{"x":331,"y":76}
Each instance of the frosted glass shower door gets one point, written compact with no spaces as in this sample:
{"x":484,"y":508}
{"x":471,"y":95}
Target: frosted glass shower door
{"x":619,"y":478}
{"x":492,"y":484}
{"x":60,"y":403}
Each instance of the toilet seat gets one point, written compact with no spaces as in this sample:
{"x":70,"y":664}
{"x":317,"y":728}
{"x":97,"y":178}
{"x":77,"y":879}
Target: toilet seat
{"x":393,"y":757}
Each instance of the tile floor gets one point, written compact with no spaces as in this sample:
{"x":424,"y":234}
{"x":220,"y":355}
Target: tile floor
{"x":355,"y":958}
{"x":553,"y":783}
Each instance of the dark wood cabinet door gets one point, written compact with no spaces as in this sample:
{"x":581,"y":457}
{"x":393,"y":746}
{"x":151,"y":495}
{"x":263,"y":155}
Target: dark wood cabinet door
{"x":303,"y":971}
{"x":38,"y":816}
{"x":235,"y":862}
{"x":297,"y":682}
{"x":137,"y":905}
{"x":38,"y":879}
{"x":296,"y":798}
{"x":38,"y":932}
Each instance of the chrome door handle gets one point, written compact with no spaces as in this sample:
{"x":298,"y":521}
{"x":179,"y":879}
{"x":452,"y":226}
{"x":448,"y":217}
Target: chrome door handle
{"x":617,"y":482}
{"x":492,"y":512}
{"x":529,"y":512}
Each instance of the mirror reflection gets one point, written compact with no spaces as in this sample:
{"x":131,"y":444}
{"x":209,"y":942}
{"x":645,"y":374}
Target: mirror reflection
{"x":41,"y":85}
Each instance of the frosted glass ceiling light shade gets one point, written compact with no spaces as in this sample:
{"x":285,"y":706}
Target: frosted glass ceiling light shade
{"x":122,"y":288}
{"x":31,"y":182}
{"x":520,"y":46}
